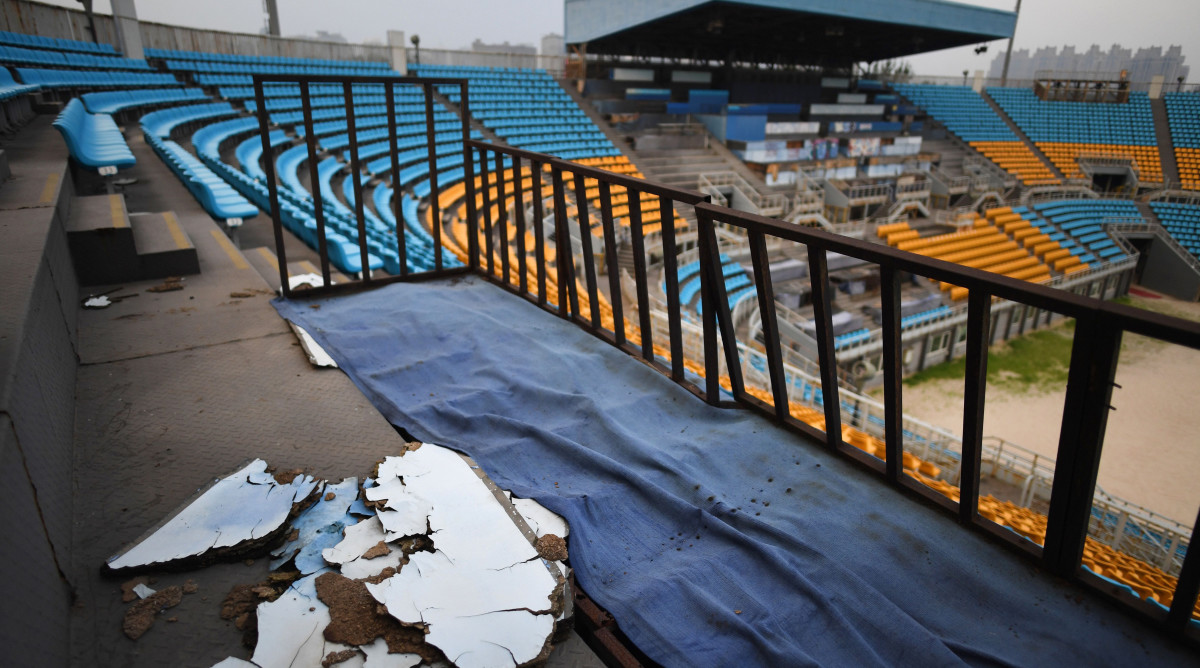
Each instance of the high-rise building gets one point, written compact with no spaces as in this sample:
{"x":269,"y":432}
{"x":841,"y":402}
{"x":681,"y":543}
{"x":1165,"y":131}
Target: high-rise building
{"x":1141,"y":66}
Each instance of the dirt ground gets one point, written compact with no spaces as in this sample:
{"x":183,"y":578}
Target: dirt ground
{"x":1152,"y":443}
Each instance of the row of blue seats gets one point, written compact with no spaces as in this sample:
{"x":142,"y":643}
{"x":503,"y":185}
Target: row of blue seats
{"x":94,"y":79}
{"x":513,"y":88}
{"x":249,"y":152}
{"x":111,"y":102}
{"x":39,"y":42}
{"x":210,"y":67}
{"x":1183,"y":118}
{"x":1078,"y":226}
{"x":208,"y":139}
{"x":94,"y":140}
{"x":178,"y":54}
{"x":1182,"y":221}
{"x":518,"y":112}
{"x":160,"y":123}
{"x":851,"y":338}
{"x":296,"y":118}
{"x":19,"y":56}
{"x":1130,"y":123}
{"x":924,"y":316}
{"x":294,"y":103}
{"x":399,"y":91}
{"x":10,"y":88}
{"x":380,"y":232}
{"x":418,"y":245}
{"x":217,"y":197}
{"x":295,"y":209}
{"x":963,"y":111}
{"x":404,"y":125}
{"x":365,"y":135}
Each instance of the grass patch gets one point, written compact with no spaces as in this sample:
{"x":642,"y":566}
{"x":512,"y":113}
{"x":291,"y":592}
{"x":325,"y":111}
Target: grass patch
{"x":1037,"y":360}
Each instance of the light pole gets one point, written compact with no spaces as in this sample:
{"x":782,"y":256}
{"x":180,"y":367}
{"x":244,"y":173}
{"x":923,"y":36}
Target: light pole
{"x":1008,"y":53}
{"x":416,"y":42}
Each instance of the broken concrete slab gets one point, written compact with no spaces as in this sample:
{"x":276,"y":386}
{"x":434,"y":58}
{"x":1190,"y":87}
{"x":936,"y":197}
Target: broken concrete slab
{"x":481,"y":607}
{"x":236,"y":515}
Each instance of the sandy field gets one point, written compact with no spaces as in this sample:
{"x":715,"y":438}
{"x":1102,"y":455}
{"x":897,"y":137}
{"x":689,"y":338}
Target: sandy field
{"x":1152,"y":443}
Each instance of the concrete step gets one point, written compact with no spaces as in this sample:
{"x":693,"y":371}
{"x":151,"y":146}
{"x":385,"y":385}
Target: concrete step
{"x":101,"y":240}
{"x":162,"y":246}
{"x":1166,"y":148}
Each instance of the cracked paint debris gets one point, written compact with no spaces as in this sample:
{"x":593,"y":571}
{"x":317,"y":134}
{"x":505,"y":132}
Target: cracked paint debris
{"x":236,"y":513}
{"x":291,"y":629}
{"x":482,"y":607}
{"x":319,"y":527}
{"x":350,"y":553}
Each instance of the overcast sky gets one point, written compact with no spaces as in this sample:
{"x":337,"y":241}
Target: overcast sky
{"x":454,"y":24}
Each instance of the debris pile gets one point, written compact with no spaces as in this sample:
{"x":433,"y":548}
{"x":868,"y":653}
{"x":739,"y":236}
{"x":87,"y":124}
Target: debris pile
{"x":425,"y":562}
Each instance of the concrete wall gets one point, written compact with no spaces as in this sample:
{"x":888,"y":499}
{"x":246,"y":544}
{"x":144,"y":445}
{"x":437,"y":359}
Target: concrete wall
{"x":38,"y":363}
{"x":52,"y":21}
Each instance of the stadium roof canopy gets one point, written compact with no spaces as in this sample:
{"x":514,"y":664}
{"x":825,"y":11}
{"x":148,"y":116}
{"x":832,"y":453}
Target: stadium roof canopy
{"x":803,"y":32}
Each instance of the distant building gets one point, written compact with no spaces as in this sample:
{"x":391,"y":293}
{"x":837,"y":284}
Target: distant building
{"x":521,"y":49}
{"x":553,"y":45}
{"x":1142,"y":66}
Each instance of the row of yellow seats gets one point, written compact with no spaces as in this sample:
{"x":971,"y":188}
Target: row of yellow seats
{"x":1188,"y":162}
{"x":1017,"y":159}
{"x":1148,"y":581}
{"x":1065,"y":155}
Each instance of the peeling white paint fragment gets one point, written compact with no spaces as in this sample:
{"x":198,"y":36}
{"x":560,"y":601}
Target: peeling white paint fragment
{"x":234,"y":662}
{"x":143,"y":591}
{"x":349,"y":552}
{"x":378,"y":657}
{"x":245,"y":506}
{"x":291,"y":630}
{"x":319,"y":527}
{"x":484,"y":593}
{"x":312,"y":350}
{"x":541,"y":520}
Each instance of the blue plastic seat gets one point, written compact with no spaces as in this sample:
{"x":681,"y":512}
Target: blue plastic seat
{"x":94,"y":140}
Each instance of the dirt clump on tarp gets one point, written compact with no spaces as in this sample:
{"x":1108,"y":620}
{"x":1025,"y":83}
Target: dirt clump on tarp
{"x":551,"y":547}
{"x":356,"y":618}
{"x":140,"y":616}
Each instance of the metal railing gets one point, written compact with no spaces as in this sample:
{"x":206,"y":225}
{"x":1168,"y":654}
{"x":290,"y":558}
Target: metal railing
{"x":390,"y":85}
{"x":579,"y":300}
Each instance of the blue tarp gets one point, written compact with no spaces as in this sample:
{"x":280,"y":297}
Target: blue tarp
{"x":712,"y":536}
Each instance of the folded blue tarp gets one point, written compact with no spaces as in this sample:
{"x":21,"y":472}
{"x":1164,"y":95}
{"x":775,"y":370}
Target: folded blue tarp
{"x":712,"y":536}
